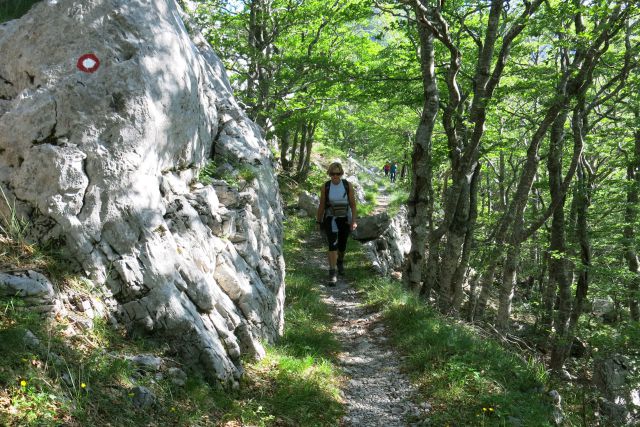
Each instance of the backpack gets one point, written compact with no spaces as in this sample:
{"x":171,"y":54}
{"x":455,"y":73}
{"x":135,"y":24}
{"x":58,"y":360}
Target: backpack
{"x":326,"y":193}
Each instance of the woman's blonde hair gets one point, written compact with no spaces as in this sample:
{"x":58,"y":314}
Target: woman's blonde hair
{"x":335,"y":167}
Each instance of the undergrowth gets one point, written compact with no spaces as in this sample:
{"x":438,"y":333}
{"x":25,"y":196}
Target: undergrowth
{"x":468,"y":379}
{"x":228,"y":169}
{"x":79,"y":377}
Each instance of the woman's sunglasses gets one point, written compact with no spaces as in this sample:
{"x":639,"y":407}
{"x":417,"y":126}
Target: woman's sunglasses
{"x":335,"y":173}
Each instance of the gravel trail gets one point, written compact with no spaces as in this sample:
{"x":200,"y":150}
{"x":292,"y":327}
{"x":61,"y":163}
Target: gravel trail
{"x":376,"y":392}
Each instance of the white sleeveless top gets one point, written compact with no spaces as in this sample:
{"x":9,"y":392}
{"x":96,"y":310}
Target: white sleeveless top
{"x":338,"y":201}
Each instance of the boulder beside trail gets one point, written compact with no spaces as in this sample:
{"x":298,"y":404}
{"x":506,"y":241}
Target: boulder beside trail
{"x":371,"y":227}
{"x":386,"y":247}
{"x":109,"y":110}
{"x":35,"y":289}
{"x":612,"y":375}
{"x":308,"y":203}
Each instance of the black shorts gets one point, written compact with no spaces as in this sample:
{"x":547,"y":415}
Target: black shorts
{"x":337,"y":241}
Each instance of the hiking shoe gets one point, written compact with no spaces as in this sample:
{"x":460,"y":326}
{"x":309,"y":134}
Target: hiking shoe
{"x":341,"y":267}
{"x":333,"y":279}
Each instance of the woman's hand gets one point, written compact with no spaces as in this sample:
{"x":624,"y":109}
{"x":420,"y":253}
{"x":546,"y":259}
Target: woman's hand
{"x":354,"y":225}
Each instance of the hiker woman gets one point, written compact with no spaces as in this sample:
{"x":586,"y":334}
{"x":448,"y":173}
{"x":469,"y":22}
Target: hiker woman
{"x":336,"y":216}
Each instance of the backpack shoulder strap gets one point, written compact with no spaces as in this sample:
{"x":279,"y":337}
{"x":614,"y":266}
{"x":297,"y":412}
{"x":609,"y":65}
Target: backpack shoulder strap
{"x":346,"y":187}
{"x":326,"y":193}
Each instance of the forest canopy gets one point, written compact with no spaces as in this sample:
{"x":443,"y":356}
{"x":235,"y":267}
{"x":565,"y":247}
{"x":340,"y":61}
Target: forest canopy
{"x":519,"y":120}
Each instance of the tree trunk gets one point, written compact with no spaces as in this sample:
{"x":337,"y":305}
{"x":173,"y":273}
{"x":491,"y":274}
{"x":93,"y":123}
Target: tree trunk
{"x":583,"y":196}
{"x":558,"y":248}
{"x":421,"y":196}
{"x":460,"y":273}
{"x":572,"y":85}
{"x":453,"y":247}
{"x":302,"y":147}
{"x":476,"y":308}
{"x":431,"y":272}
{"x":284,"y":150}
{"x":260,"y":76}
{"x":464,"y":124}
{"x":631,"y":221}
{"x":303,"y":172}
{"x":294,"y":146}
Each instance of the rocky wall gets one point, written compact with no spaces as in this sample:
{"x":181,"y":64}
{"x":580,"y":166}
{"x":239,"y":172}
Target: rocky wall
{"x":108,"y":111}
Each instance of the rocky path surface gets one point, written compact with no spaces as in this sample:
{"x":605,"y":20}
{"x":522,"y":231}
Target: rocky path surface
{"x":377,"y":392}
{"x":382,"y":201}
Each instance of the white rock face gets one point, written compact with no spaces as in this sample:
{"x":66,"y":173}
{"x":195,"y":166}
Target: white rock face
{"x":388,"y":251}
{"x":104,"y":154}
{"x":308,"y":202}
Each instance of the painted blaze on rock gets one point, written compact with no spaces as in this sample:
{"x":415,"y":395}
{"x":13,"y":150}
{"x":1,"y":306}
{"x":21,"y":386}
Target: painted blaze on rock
{"x":106,"y":158}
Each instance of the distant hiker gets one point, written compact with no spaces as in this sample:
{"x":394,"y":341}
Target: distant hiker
{"x":336,"y":216}
{"x":387,"y":167}
{"x":392,"y":172}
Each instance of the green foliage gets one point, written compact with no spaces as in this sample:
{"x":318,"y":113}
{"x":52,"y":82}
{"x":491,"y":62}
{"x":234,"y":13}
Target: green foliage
{"x":13,"y":9}
{"x":315,"y":180}
{"x":371,"y":196}
{"x":399,"y":197}
{"x":322,"y":63}
{"x":227,"y":169}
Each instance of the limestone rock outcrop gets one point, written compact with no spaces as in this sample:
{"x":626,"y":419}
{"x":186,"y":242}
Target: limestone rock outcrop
{"x":308,"y":203}
{"x":109,"y":109}
{"x":371,"y":227}
{"x":388,"y":251}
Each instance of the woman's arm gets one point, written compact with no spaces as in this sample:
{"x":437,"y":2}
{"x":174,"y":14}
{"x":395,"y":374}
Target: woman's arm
{"x":354,"y":210}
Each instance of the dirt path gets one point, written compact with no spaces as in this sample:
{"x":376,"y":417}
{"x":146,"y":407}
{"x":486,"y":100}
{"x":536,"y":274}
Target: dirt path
{"x":377,"y":392}
{"x":382,"y":201}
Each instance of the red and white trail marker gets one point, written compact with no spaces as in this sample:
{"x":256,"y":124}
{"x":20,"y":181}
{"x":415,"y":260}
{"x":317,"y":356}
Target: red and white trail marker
{"x":88,"y":63}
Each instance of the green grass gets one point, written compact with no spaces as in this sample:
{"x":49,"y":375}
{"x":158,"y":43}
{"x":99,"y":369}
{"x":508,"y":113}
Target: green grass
{"x":296,"y":384}
{"x":227,"y":169}
{"x":328,"y":152}
{"x":399,"y":197}
{"x":469,"y":379}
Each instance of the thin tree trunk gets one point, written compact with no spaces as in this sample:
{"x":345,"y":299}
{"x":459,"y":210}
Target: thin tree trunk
{"x":284,"y":150}
{"x":464,"y":136}
{"x":631,"y":221}
{"x":451,"y":255}
{"x":431,"y":272}
{"x":259,"y":79}
{"x":583,"y":196}
{"x":558,"y":248}
{"x":304,"y":170}
{"x":294,"y":146}
{"x":420,"y":204}
{"x":303,"y":146}
{"x":459,"y":275}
